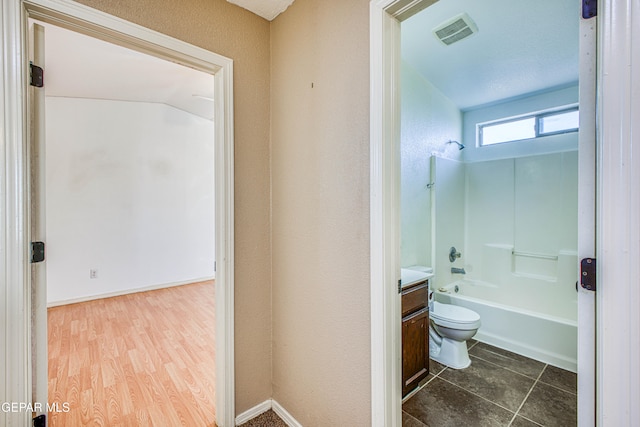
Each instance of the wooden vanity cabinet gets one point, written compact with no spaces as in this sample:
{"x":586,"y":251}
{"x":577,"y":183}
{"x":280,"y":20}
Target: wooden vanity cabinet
{"x":415,"y":335}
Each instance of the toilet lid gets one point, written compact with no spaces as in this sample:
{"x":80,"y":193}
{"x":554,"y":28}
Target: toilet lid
{"x":453,"y":313}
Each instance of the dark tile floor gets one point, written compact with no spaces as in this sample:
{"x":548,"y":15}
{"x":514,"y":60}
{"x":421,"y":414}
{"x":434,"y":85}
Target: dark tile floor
{"x":500,"y":388}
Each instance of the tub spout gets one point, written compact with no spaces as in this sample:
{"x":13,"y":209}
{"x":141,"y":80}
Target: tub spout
{"x":455,"y":270}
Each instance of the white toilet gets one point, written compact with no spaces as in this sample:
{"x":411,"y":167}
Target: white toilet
{"x":449,"y":329}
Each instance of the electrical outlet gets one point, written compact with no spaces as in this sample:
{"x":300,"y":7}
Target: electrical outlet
{"x":93,"y":274}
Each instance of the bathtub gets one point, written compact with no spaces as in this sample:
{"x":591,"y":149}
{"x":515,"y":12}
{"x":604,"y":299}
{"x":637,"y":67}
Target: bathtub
{"x":549,"y":338}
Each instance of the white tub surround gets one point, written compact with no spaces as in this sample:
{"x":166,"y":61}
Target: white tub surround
{"x":548,"y":338}
{"x":514,"y":221}
{"x":536,"y":282}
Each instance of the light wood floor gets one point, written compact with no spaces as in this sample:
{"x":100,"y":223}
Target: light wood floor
{"x":144,"y":359}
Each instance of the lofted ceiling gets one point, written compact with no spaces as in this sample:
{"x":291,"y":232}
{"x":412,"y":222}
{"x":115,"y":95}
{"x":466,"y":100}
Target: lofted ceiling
{"x":520,"y":48}
{"x":268,"y":9}
{"x":80,"y":66}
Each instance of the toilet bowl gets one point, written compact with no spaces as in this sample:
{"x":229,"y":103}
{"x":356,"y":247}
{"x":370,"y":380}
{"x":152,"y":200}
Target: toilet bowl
{"x":450,"y":327}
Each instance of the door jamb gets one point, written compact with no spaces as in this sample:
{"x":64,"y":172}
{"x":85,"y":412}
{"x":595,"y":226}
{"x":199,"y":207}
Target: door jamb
{"x":587,"y":218}
{"x":15,"y":280}
{"x":386,"y":368}
{"x":386,"y":334}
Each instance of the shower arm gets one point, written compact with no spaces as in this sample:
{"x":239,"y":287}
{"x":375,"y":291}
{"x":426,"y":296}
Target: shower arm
{"x":460,"y":145}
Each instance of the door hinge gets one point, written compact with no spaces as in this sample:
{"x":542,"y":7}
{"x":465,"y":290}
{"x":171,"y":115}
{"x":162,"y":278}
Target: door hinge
{"x":37,"y":252}
{"x":40,"y":421}
{"x":588,"y":274}
{"x":37,"y":75}
{"x":589,"y":8}
{"x":399,"y":286}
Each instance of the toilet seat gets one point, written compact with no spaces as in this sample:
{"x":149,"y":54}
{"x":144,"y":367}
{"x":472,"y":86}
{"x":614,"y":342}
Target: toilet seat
{"x":454,"y":317}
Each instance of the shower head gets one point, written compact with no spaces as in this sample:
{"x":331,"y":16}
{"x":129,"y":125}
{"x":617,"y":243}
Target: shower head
{"x":460,"y":146}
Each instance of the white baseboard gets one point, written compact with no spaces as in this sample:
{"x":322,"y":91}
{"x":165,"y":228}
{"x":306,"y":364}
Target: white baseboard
{"x":254,"y":412}
{"x":126,"y":292}
{"x":286,"y":416}
{"x":264,"y":407}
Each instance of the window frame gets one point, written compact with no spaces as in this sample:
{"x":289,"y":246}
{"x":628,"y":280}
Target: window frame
{"x":538,"y":117}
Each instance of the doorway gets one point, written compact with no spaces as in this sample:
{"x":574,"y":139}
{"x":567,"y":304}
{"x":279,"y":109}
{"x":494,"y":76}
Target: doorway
{"x":130,"y":229}
{"x":386,"y":216}
{"x":89,"y":21}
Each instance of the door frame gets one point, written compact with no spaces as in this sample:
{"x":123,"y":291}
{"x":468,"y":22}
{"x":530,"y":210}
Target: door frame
{"x":618,"y":213}
{"x":384,"y":122}
{"x":15,"y":281}
{"x":385,"y":18}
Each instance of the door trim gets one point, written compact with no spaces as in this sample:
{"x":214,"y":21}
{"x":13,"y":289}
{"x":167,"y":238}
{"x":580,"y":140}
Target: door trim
{"x":386,"y":327}
{"x":14,"y":185}
{"x":386,"y":334}
{"x":618,"y":213}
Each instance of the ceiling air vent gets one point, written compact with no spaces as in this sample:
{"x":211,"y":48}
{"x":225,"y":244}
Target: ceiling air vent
{"x":455,"y":29}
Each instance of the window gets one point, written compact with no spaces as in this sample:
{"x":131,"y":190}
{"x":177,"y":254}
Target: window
{"x":528,"y":127}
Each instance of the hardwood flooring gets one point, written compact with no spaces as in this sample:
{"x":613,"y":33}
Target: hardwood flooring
{"x":144,"y":359}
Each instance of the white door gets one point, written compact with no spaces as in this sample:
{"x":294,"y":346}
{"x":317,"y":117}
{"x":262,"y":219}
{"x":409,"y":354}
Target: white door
{"x":587,"y":221}
{"x":39,"y":359}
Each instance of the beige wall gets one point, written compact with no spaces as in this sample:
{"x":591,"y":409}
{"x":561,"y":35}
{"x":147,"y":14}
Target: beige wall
{"x":228,"y":30}
{"x":320,"y":209}
{"x":305,"y":339}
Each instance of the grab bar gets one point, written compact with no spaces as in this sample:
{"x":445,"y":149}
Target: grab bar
{"x":535,"y":255}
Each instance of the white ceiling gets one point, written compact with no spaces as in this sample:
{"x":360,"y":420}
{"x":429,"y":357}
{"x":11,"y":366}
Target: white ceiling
{"x":268,"y":9}
{"x":517,"y":50}
{"x":84,"y":67}
{"x":521,"y":47}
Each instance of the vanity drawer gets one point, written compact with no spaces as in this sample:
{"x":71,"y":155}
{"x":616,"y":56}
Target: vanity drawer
{"x":415,"y":298}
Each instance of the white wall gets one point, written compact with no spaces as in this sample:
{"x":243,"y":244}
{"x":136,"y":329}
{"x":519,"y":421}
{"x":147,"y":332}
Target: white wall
{"x":428,"y":121}
{"x":129,"y":193}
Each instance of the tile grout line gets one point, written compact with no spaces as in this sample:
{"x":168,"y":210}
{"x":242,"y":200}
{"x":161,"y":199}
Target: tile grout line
{"x":524,"y":375}
{"x":557,"y":387}
{"x":536,"y":380}
{"x":477,"y":395}
{"x":531,"y":421}
{"x":508,"y":369}
{"x":408,"y":414}
{"x":411,"y":394}
{"x":528,"y":394}
{"x":471,"y":392}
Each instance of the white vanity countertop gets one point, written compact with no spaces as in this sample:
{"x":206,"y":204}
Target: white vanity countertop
{"x":409,"y":277}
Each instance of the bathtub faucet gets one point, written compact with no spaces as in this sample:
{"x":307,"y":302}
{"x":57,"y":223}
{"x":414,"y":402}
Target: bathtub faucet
{"x":455,"y":270}
{"x":453,"y":254}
